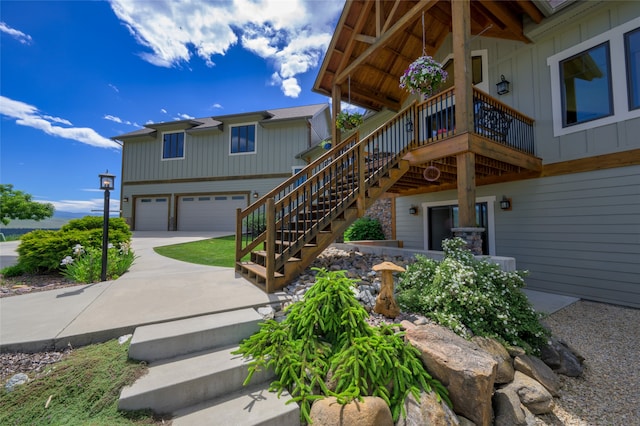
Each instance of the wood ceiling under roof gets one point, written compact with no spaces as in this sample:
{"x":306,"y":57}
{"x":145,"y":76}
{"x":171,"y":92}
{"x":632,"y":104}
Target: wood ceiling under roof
{"x":376,"y":40}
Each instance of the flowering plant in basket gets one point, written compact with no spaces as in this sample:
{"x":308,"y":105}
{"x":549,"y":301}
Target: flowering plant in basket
{"x":424,"y":75}
{"x":347,"y":121}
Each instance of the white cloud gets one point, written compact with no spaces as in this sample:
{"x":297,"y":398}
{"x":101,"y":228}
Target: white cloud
{"x":217,"y":106}
{"x":291,"y":35}
{"x":162,"y":110}
{"x":29,"y":116}
{"x":18,"y":35}
{"x":181,"y":116}
{"x":114,"y":87}
{"x":119,"y":120}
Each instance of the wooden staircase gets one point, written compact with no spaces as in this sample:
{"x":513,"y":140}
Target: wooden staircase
{"x":282,"y":233}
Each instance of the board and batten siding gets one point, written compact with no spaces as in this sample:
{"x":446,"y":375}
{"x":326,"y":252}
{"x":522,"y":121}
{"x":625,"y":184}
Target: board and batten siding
{"x":577,"y":234}
{"x":525,"y":66}
{"x":207,"y":155}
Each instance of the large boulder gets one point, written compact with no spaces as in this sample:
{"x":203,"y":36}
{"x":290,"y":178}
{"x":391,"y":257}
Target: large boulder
{"x":562,"y":358}
{"x":427,"y":412}
{"x":531,"y":393}
{"x":467,"y":371}
{"x":500,"y":354}
{"x":509,"y":410}
{"x":536,"y":369}
{"x":372,"y":411}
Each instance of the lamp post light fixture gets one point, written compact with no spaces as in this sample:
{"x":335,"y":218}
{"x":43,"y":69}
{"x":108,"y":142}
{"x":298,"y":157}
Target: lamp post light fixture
{"x":107,"y":182}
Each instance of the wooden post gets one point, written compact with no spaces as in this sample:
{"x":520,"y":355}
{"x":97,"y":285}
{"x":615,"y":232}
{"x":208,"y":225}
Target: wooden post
{"x":362,"y":188}
{"x":270,"y":244}
{"x":466,"y":189}
{"x":461,"y":25}
{"x":336,"y":99}
{"x":239,"y":236}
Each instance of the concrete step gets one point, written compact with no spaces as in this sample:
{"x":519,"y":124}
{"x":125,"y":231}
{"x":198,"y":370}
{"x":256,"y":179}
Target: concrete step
{"x":254,"y":405}
{"x":188,"y":380}
{"x":167,"y":340}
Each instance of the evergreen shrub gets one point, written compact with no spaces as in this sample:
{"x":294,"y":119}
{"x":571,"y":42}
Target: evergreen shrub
{"x":364,"y":228}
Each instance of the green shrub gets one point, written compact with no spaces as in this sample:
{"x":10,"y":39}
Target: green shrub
{"x":364,"y":228}
{"x":327,"y":334}
{"x":255,"y":224}
{"x":472,"y":297}
{"x":85,"y":266}
{"x":12,"y":271}
{"x":42,"y":251}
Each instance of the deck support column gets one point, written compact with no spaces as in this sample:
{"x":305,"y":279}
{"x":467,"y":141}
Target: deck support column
{"x":336,"y":99}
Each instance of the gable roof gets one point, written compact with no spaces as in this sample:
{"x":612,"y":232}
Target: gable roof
{"x":216,"y":123}
{"x":374,"y":42}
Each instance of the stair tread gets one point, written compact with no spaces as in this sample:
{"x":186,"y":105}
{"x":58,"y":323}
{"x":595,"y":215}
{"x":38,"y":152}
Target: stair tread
{"x":173,"y":338}
{"x":253,"y":405}
{"x":190,"y":378}
{"x":257,"y":269}
{"x":263,"y":253}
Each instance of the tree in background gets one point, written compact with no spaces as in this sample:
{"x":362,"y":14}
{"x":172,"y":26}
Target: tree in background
{"x":16,"y":204}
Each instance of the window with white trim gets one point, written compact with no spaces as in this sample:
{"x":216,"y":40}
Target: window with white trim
{"x":243,"y":139}
{"x":594,"y":82}
{"x":172,"y":145}
{"x":632,"y":53}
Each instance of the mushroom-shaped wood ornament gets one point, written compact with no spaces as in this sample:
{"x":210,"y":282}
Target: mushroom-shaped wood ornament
{"x":385,"y":302}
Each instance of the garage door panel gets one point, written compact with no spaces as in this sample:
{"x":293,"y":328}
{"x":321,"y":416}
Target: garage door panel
{"x":209,"y":212}
{"x":152,"y":214}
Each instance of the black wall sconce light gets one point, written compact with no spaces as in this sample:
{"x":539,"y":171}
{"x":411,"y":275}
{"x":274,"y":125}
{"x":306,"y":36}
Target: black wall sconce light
{"x":125,"y":200}
{"x":409,"y":126}
{"x":505,"y":203}
{"x":502,"y":86}
{"x":255,"y":194}
{"x":413,"y":210}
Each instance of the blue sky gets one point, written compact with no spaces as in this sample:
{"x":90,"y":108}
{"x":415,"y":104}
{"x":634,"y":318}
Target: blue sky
{"x":75,"y":73}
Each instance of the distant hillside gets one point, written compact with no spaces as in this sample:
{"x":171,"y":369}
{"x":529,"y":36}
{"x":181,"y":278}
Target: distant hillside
{"x":56,"y":222}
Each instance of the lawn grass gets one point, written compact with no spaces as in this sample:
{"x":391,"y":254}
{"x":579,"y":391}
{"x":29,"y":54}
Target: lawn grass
{"x":214,"y":252}
{"x":82,"y":389}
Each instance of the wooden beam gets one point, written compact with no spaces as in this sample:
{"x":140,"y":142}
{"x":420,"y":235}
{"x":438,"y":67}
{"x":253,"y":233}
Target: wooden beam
{"x":389,"y":19}
{"x":384,"y":38}
{"x":362,"y":18}
{"x":487,"y":148}
{"x":336,"y":99}
{"x":599,"y":162}
{"x":433,"y":151}
{"x":466,"y":189}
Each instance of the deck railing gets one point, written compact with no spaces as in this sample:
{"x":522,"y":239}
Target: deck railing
{"x":492,"y":120}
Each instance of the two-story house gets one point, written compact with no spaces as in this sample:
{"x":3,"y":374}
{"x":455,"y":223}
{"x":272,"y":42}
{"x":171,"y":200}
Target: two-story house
{"x":545,"y":169}
{"x":192,"y":175}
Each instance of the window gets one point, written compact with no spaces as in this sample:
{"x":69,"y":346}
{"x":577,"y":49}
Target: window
{"x":632,"y":53}
{"x":443,"y":215}
{"x":442,"y":218}
{"x":243,"y":139}
{"x":586,"y":86}
{"x":597,"y":82}
{"x":173,"y":145}
{"x":479,"y":76}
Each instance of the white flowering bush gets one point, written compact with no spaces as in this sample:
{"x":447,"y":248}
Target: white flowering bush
{"x":85,"y":266}
{"x":424,"y":75}
{"x":472,"y":297}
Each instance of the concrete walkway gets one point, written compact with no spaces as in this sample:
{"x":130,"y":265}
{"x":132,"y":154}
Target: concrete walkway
{"x":156,"y":289}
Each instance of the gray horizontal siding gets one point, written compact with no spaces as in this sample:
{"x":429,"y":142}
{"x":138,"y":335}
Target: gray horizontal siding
{"x":576,"y":234}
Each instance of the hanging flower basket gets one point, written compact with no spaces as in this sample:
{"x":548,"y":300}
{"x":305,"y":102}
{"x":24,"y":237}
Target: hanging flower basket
{"x":348,"y":121}
{"x":424,"y":76}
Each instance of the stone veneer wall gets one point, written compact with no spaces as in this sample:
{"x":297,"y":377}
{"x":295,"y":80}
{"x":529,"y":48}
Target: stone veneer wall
{"x":381,"y":210}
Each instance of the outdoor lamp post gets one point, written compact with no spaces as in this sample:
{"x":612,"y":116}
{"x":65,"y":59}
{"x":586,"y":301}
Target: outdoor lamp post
{"x":106,"y":183}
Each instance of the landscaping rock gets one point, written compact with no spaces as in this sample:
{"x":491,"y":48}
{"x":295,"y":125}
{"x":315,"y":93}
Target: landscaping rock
{"x":372,"y":411}
{"x":562,"y":358}
{"x":538,"y":370}
{"x":16,"y":380}
{"x":505,"y":362}
{"x":531,"y":393}
{"x":428,"y":412}
{"x":267,"y":312}
{"x":509,"y":410}
{"x":467,"y":371}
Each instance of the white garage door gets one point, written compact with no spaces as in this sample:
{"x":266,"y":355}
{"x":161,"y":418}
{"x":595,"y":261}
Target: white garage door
{"x":209,"y":212}
{"x":152,"y":214}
